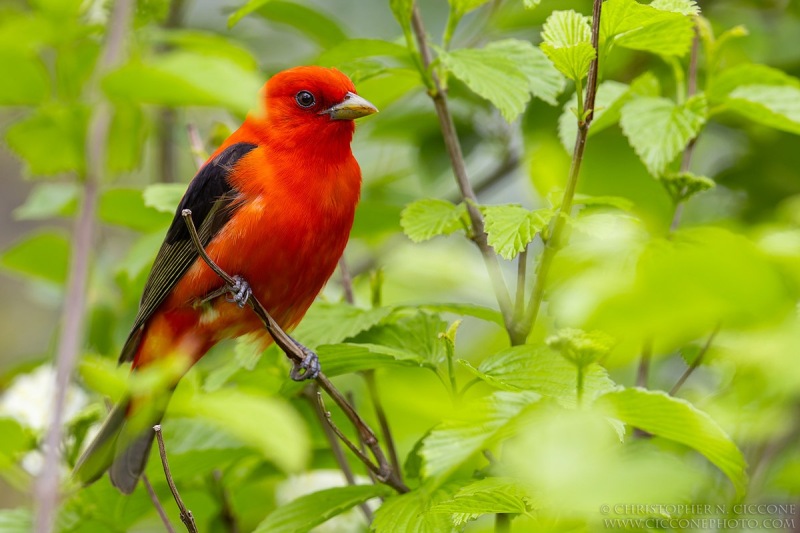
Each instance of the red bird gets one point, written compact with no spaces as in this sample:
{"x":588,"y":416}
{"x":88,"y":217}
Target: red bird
{"x":273,"y":205}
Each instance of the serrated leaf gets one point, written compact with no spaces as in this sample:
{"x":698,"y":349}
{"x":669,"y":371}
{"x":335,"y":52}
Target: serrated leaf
{"x":684,"y":7}
{"x":683,"y":185}
{"x":511,"y":227}
{"x":579,"y":347}
{"x":338,"y":359}
{"x":774,"y":106}
{"x":307,"y":512}
{"x":541,"y":370}
{"x":471,"y":429}
{"x":408,"y":512}
{"x":491,"y":73}
{"x":332,"y":323}
{"x":724,"y":83}
{"x":672,"y":418}
{"x":417,"y":336}
{"x":490,"y":495}
{"x":242,"y":12}
{"x":544,"y":80}
{"x":637,"y":26}
{"x":43,"y":256}
{"x":658,"y":129}
{"x":48,"y":200}
{"x":567,"y":42}
{"x":430,"y":217}
{"x":163,"y":197}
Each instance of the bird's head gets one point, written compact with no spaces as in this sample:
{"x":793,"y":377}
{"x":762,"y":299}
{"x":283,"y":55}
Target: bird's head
{"x":314,"y":101}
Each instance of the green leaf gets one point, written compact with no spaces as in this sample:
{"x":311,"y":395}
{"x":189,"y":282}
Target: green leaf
{"x":18,"y":520}
{"x":312,"y":23}
{"x":427,"y":218}
{"x":126,"y":139}
{"x":164,"y":197}
{"x":338,"y":359}
{"x":402,"y":12}
{"x":417,"y":336}
{"x":352,"y":49}
{"x":541,"y":370}
{"x":242,"y":12}
{"x":182,"y":78}
{"x":462,"y":309}
{"x":126,"y":207}
{"x":329,"y":323}
{"x":51,"y":140}
{"x":408,"y":512}
{"x":630,"y":24}
{"x":658,"y":129}
{"x":724,"y":83}
{"x":48,"y":200}
{"x":43,"y":255}
{"x":470,"y":430}
{"x":245,"y":416}
{"x":530,"y":4}
{"x":683,"y":185}
{"x":15,"y":440}
{"x":623,"y":204}
{"x":579,"y":347}
{"x":29,"y":83}
{"x":673,"y":418}
{"x":567,"y":42}
{"x":490,"y":495}
{"x":773,"y":106}
{"x":308,"y":511}
{"x":208,"y":44}
{"x":684,"y":7}
{"x":465,"y":6}
{"x":503,"y":72}
{"x":197,"y":448}
{"x":511,"y":227}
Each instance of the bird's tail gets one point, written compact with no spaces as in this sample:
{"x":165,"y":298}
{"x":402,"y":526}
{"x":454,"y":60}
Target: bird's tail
{"x":122,"y":447}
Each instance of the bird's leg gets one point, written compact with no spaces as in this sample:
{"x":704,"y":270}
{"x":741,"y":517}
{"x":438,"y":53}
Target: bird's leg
{"x":309,"y":368}
{"x":240,"y":291}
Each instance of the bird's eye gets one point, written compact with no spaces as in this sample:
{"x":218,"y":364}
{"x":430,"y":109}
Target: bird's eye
{"x":304,"y":99}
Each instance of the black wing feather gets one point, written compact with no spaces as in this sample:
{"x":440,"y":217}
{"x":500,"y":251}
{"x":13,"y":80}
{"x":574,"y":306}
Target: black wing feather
{"x":210,"y":197}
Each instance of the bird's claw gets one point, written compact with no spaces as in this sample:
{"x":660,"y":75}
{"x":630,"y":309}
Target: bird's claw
{"x":308,"y":369}
{"x":240,"y":291}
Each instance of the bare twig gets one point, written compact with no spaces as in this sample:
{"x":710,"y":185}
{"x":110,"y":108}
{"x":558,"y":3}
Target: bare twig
{"x":353,"y":448}
{"x":297,"y":354}
{"x":311,"y":393}
{"x":372,"y":388}
{"x":72,"y":313}
{"x":361,"y":446}
{"x":699,"y":359}
{"x":157,"y":504}
{"x":453,"y":146}
{"x":186,"y":514}
{"x":347,"y":281}
{"x":553,"y":243}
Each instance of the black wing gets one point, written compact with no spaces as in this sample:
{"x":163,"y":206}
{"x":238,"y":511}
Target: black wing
{"x":210,"y":197}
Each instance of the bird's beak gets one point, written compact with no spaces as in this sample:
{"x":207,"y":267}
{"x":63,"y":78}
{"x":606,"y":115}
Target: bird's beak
{"x":352,"y":107}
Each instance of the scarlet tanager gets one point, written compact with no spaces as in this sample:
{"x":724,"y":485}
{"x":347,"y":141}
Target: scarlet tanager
{"x":273,"y":205}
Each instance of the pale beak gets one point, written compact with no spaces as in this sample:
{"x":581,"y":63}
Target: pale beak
{"x":352,"y":107}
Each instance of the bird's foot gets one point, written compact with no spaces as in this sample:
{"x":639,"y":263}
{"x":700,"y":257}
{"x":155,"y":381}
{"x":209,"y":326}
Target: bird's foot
{"x":240,"y":291}
{"x":309,"y":368}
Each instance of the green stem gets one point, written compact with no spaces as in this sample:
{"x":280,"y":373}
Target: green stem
{"x":680,"y":80}
{"x":453,"y":18}
{"x":579,"y":386}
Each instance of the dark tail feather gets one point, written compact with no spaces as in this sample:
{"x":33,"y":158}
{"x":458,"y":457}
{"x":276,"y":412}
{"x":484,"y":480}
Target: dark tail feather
{"x":122,"y":447}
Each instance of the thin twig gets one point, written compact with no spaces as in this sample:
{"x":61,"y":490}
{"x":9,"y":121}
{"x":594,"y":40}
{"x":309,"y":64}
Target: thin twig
{"x":361,"y":446}
{"x":522,"y":270}
{"x":73,"y":311}
{"x":353,"y":448}
{"x":157,"y":504}
{"x":644,"y":364}
{"x":686,"y":161}
{"x":453,"y":146}
{"x":372,"y":389}
{"x":553,"y":243}
{"x":699,"y":359}
{"x":186,"y":514}
{"x":347,"y":281}
{"x":297,"y":354}
{"x":226,"y":511}
{"x":311,"y":394}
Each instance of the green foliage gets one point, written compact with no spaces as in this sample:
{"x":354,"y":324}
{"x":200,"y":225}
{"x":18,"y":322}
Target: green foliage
{"x":567,"y":42}
{"x":51,"y":140}
{"x":309,"y":511}
{"x":490,"y":495}
{"x":43,"y":255}
{"x":428,"y":218}
{"x":778,"y":107}
{"x":510,"y":228}
{"x":650,"y":28}
{"x":407,"y":512}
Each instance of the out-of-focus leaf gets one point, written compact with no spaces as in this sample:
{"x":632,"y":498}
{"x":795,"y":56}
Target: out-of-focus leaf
{"x":126,"y":207}
{"x":567,"y":42}
{"x":104,"y":376}
{"x":338,"y":359}
{"x":471,"y":429}
{"x":245,"y":10}
{"x":542,"y":370}
{"x":126,"y":139}
{"x":208,"y":44}
{"x":49,"y":200}
{"x":310,"y":510}
{"x":511,"y":227}
{"x":29,"y":83}
{"x":388,"y":86}
{"x":402,"y":12}
{"x":629,"y":24}
{"x":18,"y":520}
{"x":504,"y":72}
{"x":676,"y":419}
{"x":185,"y":78}
{"x":408,"y":512}
{"x":430,"y":217}
{"x":684,"y":7}
{"x":313,"y":23}
{"x":581,"y":348}
{"x":196,"y":448}
{"x":163,"y":197}
{"x":51,"y":140}
{"x":774,"y":106}
{"x":623,"y":204}
{"x":14,"y":441}
{"x":375,"y":219}
{"x":43,"y":255}
{"x":330,"y":323}
{"x":658,"y":129}
{"x":352,"y":49}
{"x":490,"y":495}
{"x":465,"y":6}
{"x":245,"y":416}
{"x":724,"y":83}
{"x":477,"y":311}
